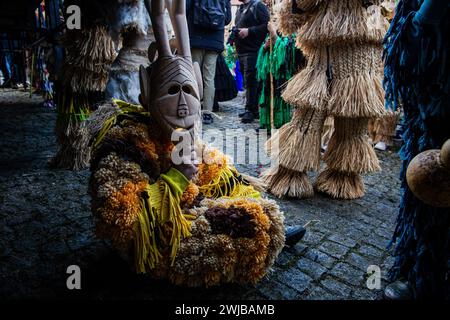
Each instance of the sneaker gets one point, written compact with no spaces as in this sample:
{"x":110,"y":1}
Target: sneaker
{"x":248,"y":117}
{"x":207,"y":118}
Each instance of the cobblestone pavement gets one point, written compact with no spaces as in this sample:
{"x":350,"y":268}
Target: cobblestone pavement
{"x":45,"y":226}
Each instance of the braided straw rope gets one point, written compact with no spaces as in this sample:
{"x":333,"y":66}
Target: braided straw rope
{"x":356,"y":87}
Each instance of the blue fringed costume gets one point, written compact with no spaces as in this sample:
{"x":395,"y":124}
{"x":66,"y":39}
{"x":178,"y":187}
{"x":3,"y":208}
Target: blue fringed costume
{"x":417,"y":77}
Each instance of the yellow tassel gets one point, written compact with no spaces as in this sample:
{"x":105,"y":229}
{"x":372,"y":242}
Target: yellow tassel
{"x":227,"y":185}
{"x":161,"y":207}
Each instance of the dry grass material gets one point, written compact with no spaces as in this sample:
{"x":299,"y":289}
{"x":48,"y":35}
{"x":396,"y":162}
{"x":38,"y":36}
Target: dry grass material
{"x":296,"y":145}
{"x":335,"y":21}
{"x":349,"y":149}
{"x":257,"y":183}
{"x":383,"y":129}
{"x":339,"y":185}
{"x":308,"y":5}
{"x":309,"y":88}
{"x":89,"y":54}
{"x":328,"y":129}
{"x":88,"y":130}
{"x":77,"y":136}
{"x":288,"y":22}
{"x":282,"y":182}
{"x":70,"y":154}
{"x":360,"y":95}
{"x":356,"y":87}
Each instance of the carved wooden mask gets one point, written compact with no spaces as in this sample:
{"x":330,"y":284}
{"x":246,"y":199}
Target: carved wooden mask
{"x":171,"y":87}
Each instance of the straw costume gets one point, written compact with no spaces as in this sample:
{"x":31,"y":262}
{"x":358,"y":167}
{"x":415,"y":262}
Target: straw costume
{"x":341,"y":40}
{"x":89,"y":53}
{"x":195,"y":225}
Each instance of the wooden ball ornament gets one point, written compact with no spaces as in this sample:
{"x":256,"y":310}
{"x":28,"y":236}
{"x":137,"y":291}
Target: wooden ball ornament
{"x":428,"y":176}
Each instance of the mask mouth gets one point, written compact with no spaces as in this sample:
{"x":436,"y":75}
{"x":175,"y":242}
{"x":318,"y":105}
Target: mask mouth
{"x":180,"y":123}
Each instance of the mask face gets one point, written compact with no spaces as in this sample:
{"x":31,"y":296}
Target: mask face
{"x":174,"y":99}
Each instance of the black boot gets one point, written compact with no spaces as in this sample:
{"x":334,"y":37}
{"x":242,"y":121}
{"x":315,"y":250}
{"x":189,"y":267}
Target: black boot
{"x":397,"y":290}
{"x":294,"y":234}
{"x":248,"y":117}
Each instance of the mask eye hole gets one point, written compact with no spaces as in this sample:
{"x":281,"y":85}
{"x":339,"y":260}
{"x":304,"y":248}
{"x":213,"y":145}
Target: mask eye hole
{"x":174,"y":90}
{"x":187,"y":90}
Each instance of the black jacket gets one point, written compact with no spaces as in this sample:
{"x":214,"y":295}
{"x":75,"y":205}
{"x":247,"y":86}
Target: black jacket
{"x":254,"y":16}
{"x":207,"y":39}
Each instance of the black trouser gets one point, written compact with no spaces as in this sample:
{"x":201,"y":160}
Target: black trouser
{"x":247,"y":64}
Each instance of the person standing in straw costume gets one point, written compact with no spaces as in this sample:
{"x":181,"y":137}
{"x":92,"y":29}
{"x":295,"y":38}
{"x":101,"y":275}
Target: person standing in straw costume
{"x":342,"y":41}
{"x":89,"y":52}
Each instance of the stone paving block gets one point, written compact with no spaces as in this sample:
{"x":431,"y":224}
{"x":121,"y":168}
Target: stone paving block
{"x":344,"y":240}
{"x":80,"y":240}
{"x":333,"y":249}
{"x":359,"y":261}
{"x":348,"y":274}
{"x":364,"y":294}
{"x":362,"y":226}
{"x":294,"y":279}
{"x":319,"y":293}
{"x":369,"y":250}
{"x":274,"y":290}
{"x":377,"y":241}
{"x":53,"y":249}
{"x":12,"y":219}
{"x":384,"y":232}
{"x":313,"y":237}
{"x":339,"y":289}
{"x":320,"y":257}
{"x":284,"y":258}
{"x":311,"y":268}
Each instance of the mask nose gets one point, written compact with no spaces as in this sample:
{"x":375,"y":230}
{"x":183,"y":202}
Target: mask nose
{"x":183,"y":110}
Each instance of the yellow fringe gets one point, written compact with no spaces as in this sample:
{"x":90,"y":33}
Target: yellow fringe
{"x":124,"y":107}
{"x":226,"y":184}
{"x":162,"y":207}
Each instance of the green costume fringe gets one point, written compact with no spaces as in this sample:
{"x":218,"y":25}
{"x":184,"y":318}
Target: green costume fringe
{"x":283,"y":63}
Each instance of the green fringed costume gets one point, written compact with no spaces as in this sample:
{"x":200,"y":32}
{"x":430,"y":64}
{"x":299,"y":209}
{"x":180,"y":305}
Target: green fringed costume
{"x":283,"y":63}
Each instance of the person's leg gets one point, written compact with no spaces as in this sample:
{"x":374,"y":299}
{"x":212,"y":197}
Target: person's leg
{"x":241,"y":60}
{"x":197,"y":56}
{"x":251,"y":103}
{"x":209,"y":72}
{"x":252,"y":84}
